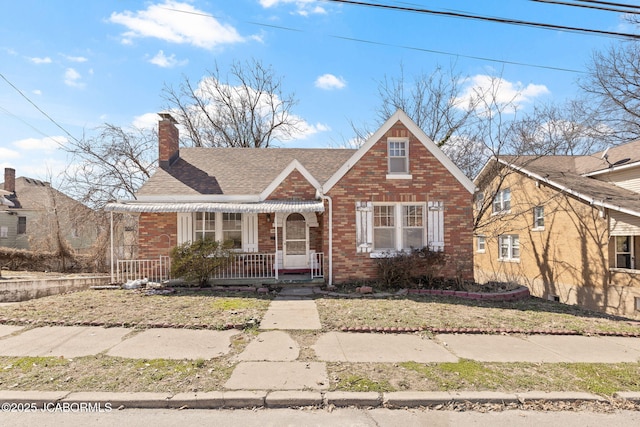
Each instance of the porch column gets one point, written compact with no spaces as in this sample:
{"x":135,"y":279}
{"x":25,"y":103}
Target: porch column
{"x":275,"y":224}
{"x":111,"y":245}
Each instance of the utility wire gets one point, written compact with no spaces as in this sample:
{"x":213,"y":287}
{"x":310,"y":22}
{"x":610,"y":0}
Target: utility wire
{"x":595,"y":5}
{"x":38,"y":108}
{"x":488,"y":19}
{"x":31,"y":126}
{"x":373,"y":42}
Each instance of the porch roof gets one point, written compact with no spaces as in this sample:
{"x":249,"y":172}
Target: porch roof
{"x":267,"y":206}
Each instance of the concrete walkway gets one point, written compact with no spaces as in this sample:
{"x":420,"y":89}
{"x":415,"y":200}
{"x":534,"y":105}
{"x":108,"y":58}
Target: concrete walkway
{"x":271,"y":359}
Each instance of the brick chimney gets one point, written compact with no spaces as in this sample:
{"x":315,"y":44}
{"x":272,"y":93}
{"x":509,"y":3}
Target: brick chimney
{"x":168,"y":146}
{"x":10,"y":180}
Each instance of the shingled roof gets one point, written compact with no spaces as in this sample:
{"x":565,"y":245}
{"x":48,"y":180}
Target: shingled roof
{"x":237,"y":171}
{"x":570,"y":174}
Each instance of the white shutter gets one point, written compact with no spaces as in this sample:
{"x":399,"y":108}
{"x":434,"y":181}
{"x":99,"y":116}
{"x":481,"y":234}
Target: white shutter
{"x":185,"y":227}
{"x":435,"y":226}
{"x":250,"y":232}
{"x":364,"y":226}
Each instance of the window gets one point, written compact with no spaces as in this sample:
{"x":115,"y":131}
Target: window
{"x":624,"y":256}
{"x":479,"y":200}
{"x":538,"y":217}
{"x":502,"y":201}
{"x":412,"y":226}
{"x":636,"y":300}
{"x":232,"y":229}
{"x":509,"y":247}
{"x":398,"y":157}
{"x":384,"y":227}
{"x":481,"y":243}
{"x":397,"y":227}
{"x":205,"y":225}
{"x":22,"y":225}
{"x":4,"y":232}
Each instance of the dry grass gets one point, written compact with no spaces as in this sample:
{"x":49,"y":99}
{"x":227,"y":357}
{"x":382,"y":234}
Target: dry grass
{"x":186,"y":307}
{"x":443,"y":312}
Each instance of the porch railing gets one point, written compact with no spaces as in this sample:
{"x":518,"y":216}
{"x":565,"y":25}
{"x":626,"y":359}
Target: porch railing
{"x":250,"y":265}
{"x":317,"y":264}
{"x":156,"y":270}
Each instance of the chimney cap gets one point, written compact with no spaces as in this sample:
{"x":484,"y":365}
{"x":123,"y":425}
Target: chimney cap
{"x":167,"y":116}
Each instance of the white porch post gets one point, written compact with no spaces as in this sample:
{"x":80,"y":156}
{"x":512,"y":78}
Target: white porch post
{"x":275,"y":224}
{"x":111,"y":244}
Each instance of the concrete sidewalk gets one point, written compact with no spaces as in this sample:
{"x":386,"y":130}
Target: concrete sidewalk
{"x":268,"y":372}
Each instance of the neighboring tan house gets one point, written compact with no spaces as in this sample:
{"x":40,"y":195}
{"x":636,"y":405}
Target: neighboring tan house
{"x":324,"y":213}
{"x":36,"y":212}
{"x":566,"y":226}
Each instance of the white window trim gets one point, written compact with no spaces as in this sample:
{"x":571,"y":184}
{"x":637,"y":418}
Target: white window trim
{"x":219,"y":230}
{"x":400,"y":175}
{"x":484,"y":243}
{"x":502,"y":209}
{"x":630,"y":252}
{"x":537,"y":227}
{"x":510,"y":257}
{"x":398,"y":226}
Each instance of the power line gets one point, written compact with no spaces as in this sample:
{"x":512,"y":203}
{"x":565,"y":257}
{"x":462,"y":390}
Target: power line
{"x":373,"y":42}
{"x":31,"y":126}
{"x":38,"y":108}
{"x":488,"y":19}
{"x":598,"y":5}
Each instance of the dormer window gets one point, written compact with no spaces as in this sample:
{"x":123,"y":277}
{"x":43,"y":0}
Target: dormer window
{"x":398,"y":154}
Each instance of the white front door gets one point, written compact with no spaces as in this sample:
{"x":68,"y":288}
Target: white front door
{"x":296,"y":242}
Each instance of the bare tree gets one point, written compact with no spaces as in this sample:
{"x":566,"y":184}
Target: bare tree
{"x":112,"y":165}
{"x":246,"y":108}
{"x":612,"y":86}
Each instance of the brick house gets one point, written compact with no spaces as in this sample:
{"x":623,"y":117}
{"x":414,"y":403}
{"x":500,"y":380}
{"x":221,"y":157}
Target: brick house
{"x":568,"y":227}
{"x":323,"y":213}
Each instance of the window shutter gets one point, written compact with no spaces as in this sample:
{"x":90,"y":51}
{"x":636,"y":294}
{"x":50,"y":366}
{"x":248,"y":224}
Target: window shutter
{"x":185,"y":227}
{"x":364,"y":226}
{"x":250,"y":232}
{"x":435,"y":226}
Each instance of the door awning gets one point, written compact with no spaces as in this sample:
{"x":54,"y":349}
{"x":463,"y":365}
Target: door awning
{"x":268,"y":206}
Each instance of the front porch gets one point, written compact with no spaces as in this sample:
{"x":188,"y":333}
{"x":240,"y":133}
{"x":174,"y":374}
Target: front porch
{"x":249,"y":268}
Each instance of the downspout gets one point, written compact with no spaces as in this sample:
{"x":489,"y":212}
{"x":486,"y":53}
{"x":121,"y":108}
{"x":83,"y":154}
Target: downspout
{"x":111,"y":244}
{"x":330,"y":254}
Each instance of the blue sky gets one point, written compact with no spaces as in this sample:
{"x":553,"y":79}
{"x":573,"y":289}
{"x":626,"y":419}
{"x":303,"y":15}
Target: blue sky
{"x":84,"y":63}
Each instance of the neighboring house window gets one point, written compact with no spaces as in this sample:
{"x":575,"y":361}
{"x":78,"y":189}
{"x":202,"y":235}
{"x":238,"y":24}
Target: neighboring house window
{"x":538,"y":217}
{"x":205,"y":225}
{"x":624,"y":256}
{"x":509,"y":247}
{"x":22,"y":225}
{"x":4,"y":232}
{"x":232,"y":229}
{"x":481,"y":243}
{"x":398,"y":157}
{"x":479,"y":200}
{"x":502,"y":201}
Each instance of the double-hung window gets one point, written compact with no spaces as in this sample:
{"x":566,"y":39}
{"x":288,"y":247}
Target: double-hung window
{"x":538,"y":217}
{"x":624,"y":252}
{"x":398,"y":154}
{"x":22,"y":225}
{"x":509,"y":247}
{"x":205,"y":225}
{"x":481,"y":243}
{"x":232,"y":229}
{"x":502,"y":201}
{"x":398,"y":226}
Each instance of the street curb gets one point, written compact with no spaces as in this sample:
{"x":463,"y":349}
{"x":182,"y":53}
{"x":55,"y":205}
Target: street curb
{"x":293,"y":398}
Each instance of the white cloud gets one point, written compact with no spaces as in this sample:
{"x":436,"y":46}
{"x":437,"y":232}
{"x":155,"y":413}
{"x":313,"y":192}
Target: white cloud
{"x":47,"y":144}
{"x":161,"y":60}
{"x":36,"y":92}
{"x":76,"y":58}
{"x":508,"y":96}
{"x":38,"y":61}
{"x":146,"y":121}
{"x":303,"y":7}
{"x":72,"y":78}
{"x":6,"y":153}
{"x":330,"y":82}
{"x":176,"y":22}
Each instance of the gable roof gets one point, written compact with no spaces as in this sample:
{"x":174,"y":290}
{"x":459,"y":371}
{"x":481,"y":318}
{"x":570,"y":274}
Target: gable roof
{"x":35,"y":195}
{"x":562,"y":173}
{"x":431,"y":146}
{"x":226,"y":172}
